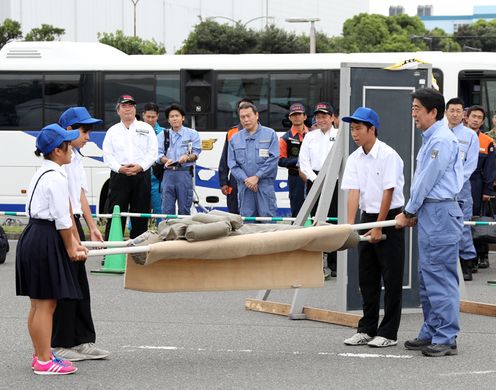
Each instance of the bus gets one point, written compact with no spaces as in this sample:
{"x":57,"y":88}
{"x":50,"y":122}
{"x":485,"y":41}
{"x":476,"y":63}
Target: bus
{"x":39,"y":80}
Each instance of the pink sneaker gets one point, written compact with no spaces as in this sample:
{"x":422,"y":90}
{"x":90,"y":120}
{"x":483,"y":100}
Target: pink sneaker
{"x":53,"y":367}
{"x":52,"y":356}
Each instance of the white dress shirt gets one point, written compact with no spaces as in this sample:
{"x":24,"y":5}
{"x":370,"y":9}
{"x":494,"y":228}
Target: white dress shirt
{"x":314,"y":150}
{"x":76,"y":176}
{"x":372,"y":173}
{"x":136,"y":145}
{"x":51,"y":196}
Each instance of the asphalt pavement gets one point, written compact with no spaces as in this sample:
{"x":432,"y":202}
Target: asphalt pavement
{"x":209,"y":341}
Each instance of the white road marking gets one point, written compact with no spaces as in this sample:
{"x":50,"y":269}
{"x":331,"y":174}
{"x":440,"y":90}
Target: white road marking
{"x":469,"y":373}
{"x":352,"y":355}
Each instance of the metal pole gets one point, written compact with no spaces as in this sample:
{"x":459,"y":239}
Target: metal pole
{"x":313,"y":46}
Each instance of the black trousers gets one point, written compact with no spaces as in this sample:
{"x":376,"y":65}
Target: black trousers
{"x":296,"y":189}
{"x":332,"y":257}
{"x":72,"y":320}
{"x":232,"y":198}
{"x":382,"y":261}
{"x":131,"y":193}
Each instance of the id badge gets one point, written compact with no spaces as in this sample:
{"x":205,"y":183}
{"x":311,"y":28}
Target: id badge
{"x":263,"y":153}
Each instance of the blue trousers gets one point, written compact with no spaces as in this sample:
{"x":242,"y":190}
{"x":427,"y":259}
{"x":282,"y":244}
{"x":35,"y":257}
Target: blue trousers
{"x":440,"y":227}
{"x":296,"y":189}
{"x":257,"y":204}
{"x":177,"y":186}
{"x":156,"y":199}
{"x":467,"y":249}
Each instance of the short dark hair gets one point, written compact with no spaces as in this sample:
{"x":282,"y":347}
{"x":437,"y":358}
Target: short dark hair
{"x":150,"y":107}
{"x":455,"y":101}
{"x":430,"y":99}
{"x":476,"y":108}
{"x":368,"y":124}
{"x":245,"y":105}
{"x":175,"y":107}
{"x":244,"y":100}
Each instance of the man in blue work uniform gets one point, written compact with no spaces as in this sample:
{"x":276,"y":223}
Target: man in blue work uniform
{"x":184,"y":149}
{"x":227,"y":181}
{"x":252,"y":157}
{"x":438,"y":180}
{"x":150,"y":115}
{"x":469,"y":154}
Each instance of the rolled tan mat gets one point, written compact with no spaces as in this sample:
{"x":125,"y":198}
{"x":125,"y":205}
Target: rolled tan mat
{"x":207,"y":231}
{"x":317,"y":239}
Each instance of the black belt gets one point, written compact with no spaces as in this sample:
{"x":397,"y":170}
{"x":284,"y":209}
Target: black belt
{"x":178,"y":168}
{"x":430,"y":200}
{"x":395,"y":212}
{"x":77,"y":216}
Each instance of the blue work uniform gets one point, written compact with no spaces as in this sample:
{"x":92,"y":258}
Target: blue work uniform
{"x":177,"y":183}
{"x":156,"y":198}
{"x":468,"y":144}
{"x":255,"y":154}
{"x":438,"y":180}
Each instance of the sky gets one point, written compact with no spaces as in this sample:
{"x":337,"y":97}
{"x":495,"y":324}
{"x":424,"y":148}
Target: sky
{"x":440,"y":7}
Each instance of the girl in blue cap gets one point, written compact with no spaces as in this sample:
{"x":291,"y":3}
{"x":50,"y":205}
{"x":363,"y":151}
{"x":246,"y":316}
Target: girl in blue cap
{"x":46,"y":247}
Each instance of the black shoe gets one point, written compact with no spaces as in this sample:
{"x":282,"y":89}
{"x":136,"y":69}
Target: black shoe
{"x":416,"y":344}
{"x":466,"y":269}
{"x":333,"y":273}
{"x":475,"y":265}
{"x":436,"y":350}
{"x":484,"y":262}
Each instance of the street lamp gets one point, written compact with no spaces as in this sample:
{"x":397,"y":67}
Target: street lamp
{"x":312,"y":29}
{"x":239,"y":21}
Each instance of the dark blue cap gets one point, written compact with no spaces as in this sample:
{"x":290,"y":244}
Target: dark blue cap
{"x":296,"y":107}
{"x":51,"y":136}
{"x":80,"y":115}
{"x":364,"y":114}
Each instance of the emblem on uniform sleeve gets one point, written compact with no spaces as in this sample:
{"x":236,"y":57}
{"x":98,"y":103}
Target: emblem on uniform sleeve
{"x":434,"y":153}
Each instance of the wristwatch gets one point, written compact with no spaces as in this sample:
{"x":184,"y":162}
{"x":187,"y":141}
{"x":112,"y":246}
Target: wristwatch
{"x":409,"y":215}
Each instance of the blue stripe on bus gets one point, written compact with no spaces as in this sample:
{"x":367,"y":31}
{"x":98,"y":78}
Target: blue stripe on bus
{"x":98,"y":136}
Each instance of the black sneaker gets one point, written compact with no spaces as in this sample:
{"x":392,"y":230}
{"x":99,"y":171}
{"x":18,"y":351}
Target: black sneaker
{"x":436,"y":350}
{"x":484,"y":262}
{"x":466,"y":269}
{"x":416,"y":344}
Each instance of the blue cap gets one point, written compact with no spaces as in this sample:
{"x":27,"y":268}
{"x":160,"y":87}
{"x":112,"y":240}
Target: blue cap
{"x":51,"y":136}
{"x":363,"y":114}
{"x":80,"y":115}
{"x":295,"y":108}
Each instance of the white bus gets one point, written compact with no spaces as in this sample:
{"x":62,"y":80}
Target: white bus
{"x":39,"y":80}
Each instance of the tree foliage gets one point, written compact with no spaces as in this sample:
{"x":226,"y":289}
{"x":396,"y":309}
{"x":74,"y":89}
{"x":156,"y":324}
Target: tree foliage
{"x":9,"y":30}
{"x":46,"y":32}
{"x":479,"y":35}
{"x":131,"y":44}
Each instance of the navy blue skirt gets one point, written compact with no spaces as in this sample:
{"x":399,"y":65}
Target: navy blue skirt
{"x":43,"y":268}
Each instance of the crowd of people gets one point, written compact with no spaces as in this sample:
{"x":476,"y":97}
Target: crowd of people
{"x":453,"y":181}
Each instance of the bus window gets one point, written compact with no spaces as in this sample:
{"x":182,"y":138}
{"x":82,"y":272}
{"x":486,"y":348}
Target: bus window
{"x":21,"y":101}
{"x":140,"y":86}
{"x":167,"y":92}
{"x":66,"y":90}
{"x":285,"y":89}
{"x":231,"y":88}
{"x":489,"y":101}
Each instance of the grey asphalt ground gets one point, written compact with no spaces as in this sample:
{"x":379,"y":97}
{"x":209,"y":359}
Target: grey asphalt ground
{"x":209,"y":341}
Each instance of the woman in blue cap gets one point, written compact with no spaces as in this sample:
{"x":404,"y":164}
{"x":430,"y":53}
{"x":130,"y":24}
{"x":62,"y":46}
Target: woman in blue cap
{"x":47,"y":246}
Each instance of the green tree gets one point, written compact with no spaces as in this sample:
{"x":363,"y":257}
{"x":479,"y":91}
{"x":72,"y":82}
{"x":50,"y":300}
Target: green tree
{"x":479,"y":35}
{"x":9,"y":30}
{"x":210,"y":37}
{"x":131,"y":44}
{"x":274,"y":40}
{"x":377,"y":33}
{"x":46,"y":32}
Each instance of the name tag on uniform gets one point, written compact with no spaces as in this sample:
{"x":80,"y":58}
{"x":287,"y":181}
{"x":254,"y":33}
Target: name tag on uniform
{"x":263,"y":152}
{"x":434,"y":154}
{"x":462,"y":155}
{"x":142,"y":131}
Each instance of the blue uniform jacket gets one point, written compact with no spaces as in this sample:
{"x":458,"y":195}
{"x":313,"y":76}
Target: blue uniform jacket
{"x":185,"y":141}
{"x":254,"y":155}
{"x":468,"y":143}
{"x":439,"y":173}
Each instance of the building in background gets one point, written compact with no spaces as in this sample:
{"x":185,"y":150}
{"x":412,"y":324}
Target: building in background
{"x":451,"y":23}
{"x":170,"y":21}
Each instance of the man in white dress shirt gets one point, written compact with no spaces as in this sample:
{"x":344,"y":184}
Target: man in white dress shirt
{"x":314,"y":150}
{"x":374,"y":179}
{"x":130,"y":149}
